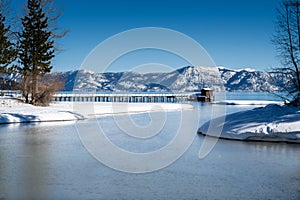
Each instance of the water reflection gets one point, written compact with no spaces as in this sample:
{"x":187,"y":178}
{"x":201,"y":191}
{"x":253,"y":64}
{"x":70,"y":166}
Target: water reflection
{"x":276,"y":149}
{"x":34,"y":149}
{"x":24,"y":166}
{"x":25,"y":157}
{"x":2,"y":170}
{"x":48,"y":161}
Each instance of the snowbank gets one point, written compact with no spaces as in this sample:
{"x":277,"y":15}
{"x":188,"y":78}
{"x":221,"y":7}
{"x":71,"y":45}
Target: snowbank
{"x":270,"y":123}
{"x":13,"y":111}
{"x":89,"y":109}
{"x":247,"y":102}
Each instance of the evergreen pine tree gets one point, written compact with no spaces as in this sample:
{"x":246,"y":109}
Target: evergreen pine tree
{"x":7,"y":48}
{"x":36,"y":49}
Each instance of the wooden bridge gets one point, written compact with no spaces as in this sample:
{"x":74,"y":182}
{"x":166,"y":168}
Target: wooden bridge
{"x":205,"y":96}
{"x":123,"y":97}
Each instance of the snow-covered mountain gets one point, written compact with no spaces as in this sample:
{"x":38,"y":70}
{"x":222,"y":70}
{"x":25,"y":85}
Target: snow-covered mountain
{"x":9,"y":81}
{"x":249,"y":80}
{"x":185,"y":79}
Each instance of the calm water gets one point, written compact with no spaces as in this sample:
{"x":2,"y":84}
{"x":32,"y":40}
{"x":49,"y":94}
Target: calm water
{"x":48,"y":161}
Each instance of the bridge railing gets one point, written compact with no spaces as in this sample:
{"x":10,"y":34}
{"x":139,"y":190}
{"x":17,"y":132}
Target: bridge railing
{"x":11,"y":93}
{"x":122,"y":97}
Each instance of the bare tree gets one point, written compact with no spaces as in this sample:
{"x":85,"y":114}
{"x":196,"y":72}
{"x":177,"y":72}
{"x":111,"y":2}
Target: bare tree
{"x":53,"y":13}
{"x":48,"y":87}
{"x":287,"y":42}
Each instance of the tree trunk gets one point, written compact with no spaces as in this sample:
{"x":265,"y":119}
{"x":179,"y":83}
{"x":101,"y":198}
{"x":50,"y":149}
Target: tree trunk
{"x":34,"y":95}
{"x":25,"y":89}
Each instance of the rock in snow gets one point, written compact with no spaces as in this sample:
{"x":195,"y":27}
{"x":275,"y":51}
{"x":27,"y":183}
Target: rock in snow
{"x":270,"y":123}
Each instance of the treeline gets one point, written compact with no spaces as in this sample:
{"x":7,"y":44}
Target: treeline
{"x":29,"y":48}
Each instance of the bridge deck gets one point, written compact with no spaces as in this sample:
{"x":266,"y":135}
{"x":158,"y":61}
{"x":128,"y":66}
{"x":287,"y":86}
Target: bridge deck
{"x":123,"y":97}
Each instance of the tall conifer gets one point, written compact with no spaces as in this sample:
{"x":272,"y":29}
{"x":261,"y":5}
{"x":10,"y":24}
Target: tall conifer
{"x":36,"y":49}
{"x":7,"y":49}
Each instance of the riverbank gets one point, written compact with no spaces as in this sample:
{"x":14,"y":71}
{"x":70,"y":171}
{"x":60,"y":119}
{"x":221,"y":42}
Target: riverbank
{"x":276,"y":123}
{"x":14,"y":111}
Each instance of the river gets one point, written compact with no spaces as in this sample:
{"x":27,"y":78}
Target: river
{"x":49,"y":161}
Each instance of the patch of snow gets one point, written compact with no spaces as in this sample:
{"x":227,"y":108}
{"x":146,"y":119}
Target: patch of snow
{"x":250,"y":70}
{"x":90,"y":109}
{"x":270,"y":123}
{"x":247,"y":102}
{"x":13,"y":111}
{"x":245,"y":69}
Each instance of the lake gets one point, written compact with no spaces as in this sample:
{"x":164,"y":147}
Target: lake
{"x":49,"y":161}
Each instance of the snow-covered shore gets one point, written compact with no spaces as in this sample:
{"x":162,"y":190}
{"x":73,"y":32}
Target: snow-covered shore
{"x":13,"y":111}
{"x":270,"y":123}
{"x":274,"y":122}
{"x":247,"y":102}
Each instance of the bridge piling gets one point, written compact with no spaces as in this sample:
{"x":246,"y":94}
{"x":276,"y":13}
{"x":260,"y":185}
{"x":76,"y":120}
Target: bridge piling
{"x":126,"y":97}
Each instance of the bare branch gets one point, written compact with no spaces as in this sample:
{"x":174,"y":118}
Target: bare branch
{"x":287,"y":43}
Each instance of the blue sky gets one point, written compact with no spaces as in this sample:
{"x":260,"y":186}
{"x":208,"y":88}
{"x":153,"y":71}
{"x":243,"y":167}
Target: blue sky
{"x":236,"y":33}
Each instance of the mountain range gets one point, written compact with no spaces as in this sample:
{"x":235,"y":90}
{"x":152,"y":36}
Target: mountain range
{"x":189,"y":78}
